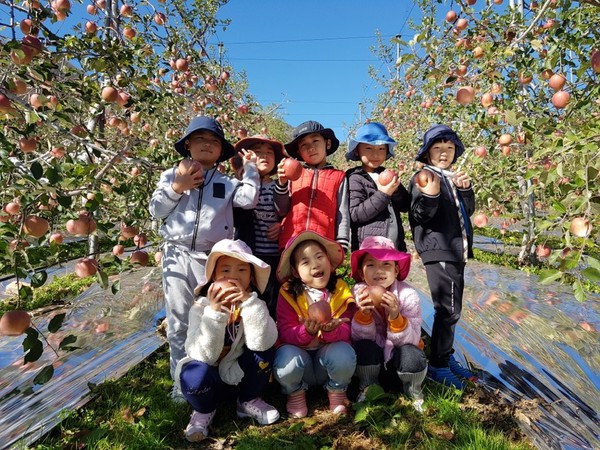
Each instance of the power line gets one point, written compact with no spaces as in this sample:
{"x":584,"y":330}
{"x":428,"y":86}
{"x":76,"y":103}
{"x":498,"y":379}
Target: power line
{"x":283,"y":41}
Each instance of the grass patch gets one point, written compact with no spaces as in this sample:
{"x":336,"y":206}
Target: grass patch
{"x":135,"y":412}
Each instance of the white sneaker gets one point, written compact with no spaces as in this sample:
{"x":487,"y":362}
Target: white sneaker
{"x":197,"y":429}
{"x":177,"y":396}
{"x":259,"y":410}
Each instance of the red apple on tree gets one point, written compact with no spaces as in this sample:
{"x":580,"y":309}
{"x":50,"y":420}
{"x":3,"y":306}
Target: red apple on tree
{"x":480,"y":220}
{"x":580,"y":227}
{"x":86,"y":267}
{"x":543,"y":251}
{"x":14,"y":323}
{"x":35,"y":226}
{"x":139,"y":257}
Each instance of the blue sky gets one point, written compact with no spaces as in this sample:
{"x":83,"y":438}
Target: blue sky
{"x":312,"y":57}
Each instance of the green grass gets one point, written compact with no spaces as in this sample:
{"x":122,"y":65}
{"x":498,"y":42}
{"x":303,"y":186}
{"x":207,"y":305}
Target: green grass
{"x":135,"y":412}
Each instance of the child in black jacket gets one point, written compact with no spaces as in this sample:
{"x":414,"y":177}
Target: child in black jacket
{"x":441,"y":206}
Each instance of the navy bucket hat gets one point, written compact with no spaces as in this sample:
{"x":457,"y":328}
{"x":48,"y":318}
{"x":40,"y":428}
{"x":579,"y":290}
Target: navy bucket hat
{"x":371,"y":133}
{"x":203,"y":123}
{"x":440,"y":132}
{"x":311,"y":127}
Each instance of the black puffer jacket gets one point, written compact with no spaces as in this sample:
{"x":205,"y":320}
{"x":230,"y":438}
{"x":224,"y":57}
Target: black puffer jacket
{"x":369,"y":212}
{"x":435,"y":223}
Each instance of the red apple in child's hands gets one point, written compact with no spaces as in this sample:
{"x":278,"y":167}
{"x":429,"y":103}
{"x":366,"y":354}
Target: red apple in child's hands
{"x":386,"y":177}
{"x":422,"y":178}
{"x":320,"y":312}
{"x":376,"y":294}
{"x":292,"y":169}
{"x":189,"y":166}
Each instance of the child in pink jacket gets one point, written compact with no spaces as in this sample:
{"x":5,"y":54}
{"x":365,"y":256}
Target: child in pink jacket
{"x":386,"y":330}
{"x":314,"y":310}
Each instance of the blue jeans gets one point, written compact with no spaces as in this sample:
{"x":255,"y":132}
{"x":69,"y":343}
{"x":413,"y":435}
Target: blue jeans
{"x":331,"y":365}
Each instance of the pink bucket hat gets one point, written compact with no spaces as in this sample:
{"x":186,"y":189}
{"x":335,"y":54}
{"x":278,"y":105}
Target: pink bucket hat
{"x":335,"y":252}
{"x":239,"y":250}
{"x":383,"y":249}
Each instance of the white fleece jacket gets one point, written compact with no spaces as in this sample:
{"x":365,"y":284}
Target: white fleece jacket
{"x":206,"y":336}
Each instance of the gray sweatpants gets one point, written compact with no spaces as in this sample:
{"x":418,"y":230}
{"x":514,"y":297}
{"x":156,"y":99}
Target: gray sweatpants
{"x":182,"y":272}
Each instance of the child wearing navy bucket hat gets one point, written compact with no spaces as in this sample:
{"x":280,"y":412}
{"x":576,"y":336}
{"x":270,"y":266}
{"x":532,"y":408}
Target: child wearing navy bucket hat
{"x":375,"y":204}
{"x":195,"y":201}
{"x":318,"y":199}
{"x":442,"y":204}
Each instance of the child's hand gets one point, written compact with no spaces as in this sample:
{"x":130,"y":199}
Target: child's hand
{"x":364,"y":302}
{"x":283,"y":179}
{"x":248,"y":156}
{"x":274,"y":231}
{"x":312,"y":326}
{"x":241,"y":295}
{"x":461,"y":180}
{"x":188,"y":175}
{"x":389,"y":302}
{"x":333,"y":324}
{"x":428,"y":182}
{"x":390,"y":188}
{"x":221,"y":298}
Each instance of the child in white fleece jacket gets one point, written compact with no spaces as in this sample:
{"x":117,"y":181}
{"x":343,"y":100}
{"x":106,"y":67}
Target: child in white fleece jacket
{"x":230,"y":340}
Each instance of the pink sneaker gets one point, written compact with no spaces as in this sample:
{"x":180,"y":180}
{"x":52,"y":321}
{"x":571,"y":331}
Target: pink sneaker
{"x":296,"y":404}
{"x":197,"y":429}
{"x":259,"y":410}
{"x":337,"y":401}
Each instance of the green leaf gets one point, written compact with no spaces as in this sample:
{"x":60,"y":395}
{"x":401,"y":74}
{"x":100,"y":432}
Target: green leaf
{"x":549,"y":275}
{"x":53,"y":175}
{"x":56,"y":322}
{"x":65,"y":343}
{"x":39,"y":278}
{"x":591,"y":274}
{"x":116,"y":287}
{"x":25,"y":293}
{"x":375,"y":392}
{"x":33,"y":347}
{"x":44,"y":375}
{"x":64,"y":201}
{"x":102,"y":279}
{"x":579,"y":291}
{"x":593,"y":262}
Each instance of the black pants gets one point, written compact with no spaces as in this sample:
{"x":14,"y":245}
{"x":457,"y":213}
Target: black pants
{"x":446,"y":283}
{"x":272,"y":290}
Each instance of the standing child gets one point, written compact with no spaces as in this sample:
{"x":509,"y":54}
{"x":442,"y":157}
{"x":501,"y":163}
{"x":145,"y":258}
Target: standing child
{"x":442,"y":203}
{"x":260,"y":228}
{"x":195,"y":202}
{"x":374,"y":207}
{"x":318,"y":200}
{"x":313,"y":319}
{"x":386,"y":330}
{"x":230,"y":341}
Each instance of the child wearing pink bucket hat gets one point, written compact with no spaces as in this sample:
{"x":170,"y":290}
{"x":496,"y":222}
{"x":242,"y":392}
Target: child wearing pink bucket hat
{"x":386,"y":329}
{"x":230,"y":340}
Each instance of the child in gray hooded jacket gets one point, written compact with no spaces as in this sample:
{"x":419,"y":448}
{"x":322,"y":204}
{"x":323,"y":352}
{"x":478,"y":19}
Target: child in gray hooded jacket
{"x":195,"y":202}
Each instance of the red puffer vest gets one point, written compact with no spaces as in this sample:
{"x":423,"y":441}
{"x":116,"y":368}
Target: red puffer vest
{"x":313,"y":205}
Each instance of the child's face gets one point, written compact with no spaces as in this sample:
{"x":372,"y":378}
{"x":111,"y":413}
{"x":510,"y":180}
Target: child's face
{"x":265,"y":158}
{"x":371,"y":156}
{"x":378,"y":273}
{"x":312,"y":265}
{"x":229,"y":268}
{"x":312,"y":148}
{"x":441,"y":154}
{"x":205,"y":147}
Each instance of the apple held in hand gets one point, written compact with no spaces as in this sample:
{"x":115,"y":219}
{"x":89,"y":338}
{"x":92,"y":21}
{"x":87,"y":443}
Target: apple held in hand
{"x":292,"y":169}
{"x":376,"y":295}
{"x":219,"y":285}
{"x":14,"y":323}
{"x":422,"y":178}
{"x":320,"y":312}
{"x":387,"y":176}
{"x":189,"y":166}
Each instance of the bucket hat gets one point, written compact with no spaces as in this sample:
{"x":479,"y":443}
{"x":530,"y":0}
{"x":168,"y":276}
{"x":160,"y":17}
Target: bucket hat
{"x":203,"y":123}
{"x":440,"y":132}
{"x":370,"y":133}
{"x":383,"y":249}
{"x":335,"y":252}
{"x":239,"y":250}
{"x":249,"y":141}
{"x":310,"y":127}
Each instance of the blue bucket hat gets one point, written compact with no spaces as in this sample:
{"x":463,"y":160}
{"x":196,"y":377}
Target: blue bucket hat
{"x":203,"y":123}
{"x":440,"y":132}
{"x":311,"y":127}
{"x":371,"y":133}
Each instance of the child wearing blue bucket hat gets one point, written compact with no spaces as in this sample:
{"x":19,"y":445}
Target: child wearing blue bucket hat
{"x":375,"y":203}
{"x":194,"y":201}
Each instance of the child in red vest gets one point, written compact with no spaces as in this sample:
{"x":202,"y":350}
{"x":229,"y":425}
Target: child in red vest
{"x":318,"y":199}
